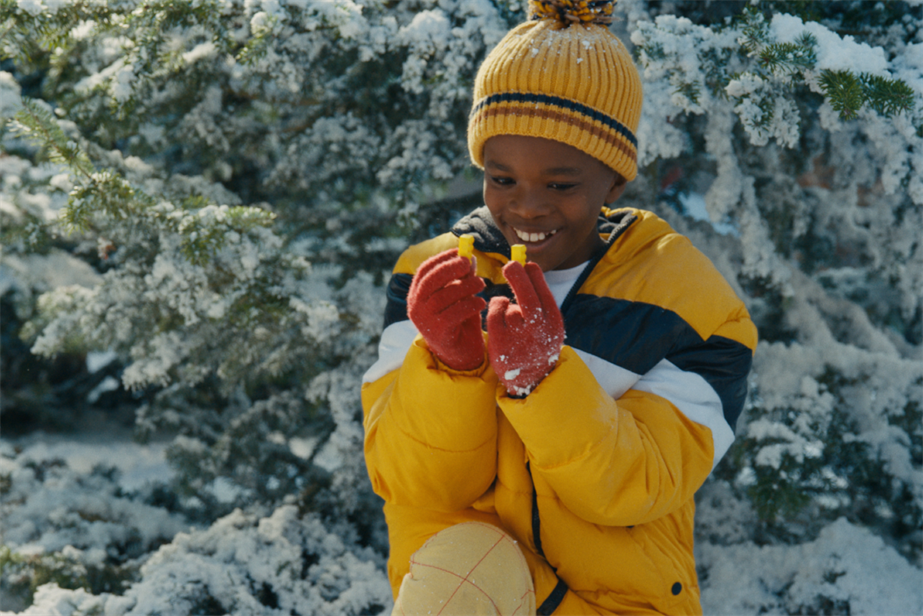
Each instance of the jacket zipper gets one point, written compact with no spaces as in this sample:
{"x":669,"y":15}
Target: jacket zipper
{"x":551,"y":603}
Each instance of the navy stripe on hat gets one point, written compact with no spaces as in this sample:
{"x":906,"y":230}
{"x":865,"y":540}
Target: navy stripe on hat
{"x":557,"y":101}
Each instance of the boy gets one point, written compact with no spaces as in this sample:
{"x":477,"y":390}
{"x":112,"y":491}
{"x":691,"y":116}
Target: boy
{"x":548,"y":465}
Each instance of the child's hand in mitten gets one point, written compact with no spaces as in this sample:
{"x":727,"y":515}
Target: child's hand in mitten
{"x":443,"y":304}
{"x":524,"y":339}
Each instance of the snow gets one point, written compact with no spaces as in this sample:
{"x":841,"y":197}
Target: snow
{"x":200,"y":52}
{"x":138,"y":465}
{"x":833,"y":53}
{"x":845,"y":564}
{"x":33,"y":7}
{"x":98,"y":361}
{"x":54,"y":601}
{"x":57,"y":498}
{"x":428,"y":32}
{"x":694,"y":206}
{"x":304,"y":567}
{"x":10,"y":97}
{"x":107,"y":384}
{"x":50,"y":271}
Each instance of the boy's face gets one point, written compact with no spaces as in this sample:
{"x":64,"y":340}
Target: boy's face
{"x":547,"y":195}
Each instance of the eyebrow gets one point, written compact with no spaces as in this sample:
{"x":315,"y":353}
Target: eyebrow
{"x":556,"y":171}
{"x":563,"y":171}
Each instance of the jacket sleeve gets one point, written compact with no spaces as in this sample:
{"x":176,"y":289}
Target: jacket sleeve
{"x":630,"y":460}
{"x":431,"y":432}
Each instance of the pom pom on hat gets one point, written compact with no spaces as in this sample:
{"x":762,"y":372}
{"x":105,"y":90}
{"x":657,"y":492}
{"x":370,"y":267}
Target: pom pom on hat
{"x":572,"y":11}
{"x":563,"y":76}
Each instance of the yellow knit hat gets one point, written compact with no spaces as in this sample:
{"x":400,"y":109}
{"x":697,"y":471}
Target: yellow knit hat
{"x":562,"y":75}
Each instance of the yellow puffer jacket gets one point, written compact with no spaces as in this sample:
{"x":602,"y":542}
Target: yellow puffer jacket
{"x":594,"y":472}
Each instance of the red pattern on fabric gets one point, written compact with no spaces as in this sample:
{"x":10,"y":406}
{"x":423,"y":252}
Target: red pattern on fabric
{"x":503,"y":536}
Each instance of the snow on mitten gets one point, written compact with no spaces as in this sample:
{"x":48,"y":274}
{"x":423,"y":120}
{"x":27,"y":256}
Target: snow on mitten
{"x":443,"y":304}
{"x":525,"y":338}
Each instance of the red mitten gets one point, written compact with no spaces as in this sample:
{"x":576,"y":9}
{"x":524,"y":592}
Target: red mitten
{"x":443,"y":304}
{"x":524,"y":339}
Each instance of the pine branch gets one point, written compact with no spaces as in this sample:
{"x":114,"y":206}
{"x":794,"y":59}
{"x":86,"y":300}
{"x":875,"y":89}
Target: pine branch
{"x":205,"y":228}
{"x":790,"y":57}
{"x":843,"y":91}
{"x":690,"y":91}
{"x":754,"y":29}
{"x":848,"y":93}
{"x":887,"y":96}
{"x":258,"y":45}
{"x":38,"y":123}
{"x":102,"y":191}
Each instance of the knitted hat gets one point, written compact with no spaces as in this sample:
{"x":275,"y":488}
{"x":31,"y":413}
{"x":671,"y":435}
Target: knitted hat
{"x":562,"y":75}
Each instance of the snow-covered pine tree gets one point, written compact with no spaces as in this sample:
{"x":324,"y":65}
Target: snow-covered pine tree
{"x":237,"y":321}
{"x":243,"y":173}
{"x":239,"y":175}
{"x":801,"y":126}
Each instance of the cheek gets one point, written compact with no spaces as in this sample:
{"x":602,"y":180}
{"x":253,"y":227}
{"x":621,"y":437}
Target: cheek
{"x":494,"y":208}
{"x":584,"y":213}
{"x":494,"y":201}
{"x":491,"y":204}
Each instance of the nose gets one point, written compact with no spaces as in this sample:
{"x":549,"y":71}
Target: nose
{"x":528,"y":203}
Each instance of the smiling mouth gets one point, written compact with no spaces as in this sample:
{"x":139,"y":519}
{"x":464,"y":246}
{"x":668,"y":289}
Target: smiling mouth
{"x":533,"y":237}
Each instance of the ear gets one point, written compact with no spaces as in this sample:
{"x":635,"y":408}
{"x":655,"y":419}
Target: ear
{"x":615,"y":191}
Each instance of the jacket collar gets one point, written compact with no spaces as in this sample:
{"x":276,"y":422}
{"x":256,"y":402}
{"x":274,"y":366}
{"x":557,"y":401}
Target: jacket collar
{"x":487,"y":237}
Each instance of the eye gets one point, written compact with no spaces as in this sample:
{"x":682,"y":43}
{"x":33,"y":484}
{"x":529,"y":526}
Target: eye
{"x":501,"y":181}
{"x":561,"y":186}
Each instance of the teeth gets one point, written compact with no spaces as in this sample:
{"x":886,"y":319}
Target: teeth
{"x":532,"y":237}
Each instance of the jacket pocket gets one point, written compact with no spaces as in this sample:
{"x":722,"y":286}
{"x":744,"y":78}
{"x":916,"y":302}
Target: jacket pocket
{"x":674,"y":586}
